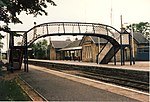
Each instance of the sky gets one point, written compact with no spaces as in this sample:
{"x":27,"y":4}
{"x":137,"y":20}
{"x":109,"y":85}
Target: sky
{"x":91,"y":11}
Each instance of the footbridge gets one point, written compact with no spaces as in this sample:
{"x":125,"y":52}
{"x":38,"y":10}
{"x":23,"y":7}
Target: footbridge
{"x":118,"y":40}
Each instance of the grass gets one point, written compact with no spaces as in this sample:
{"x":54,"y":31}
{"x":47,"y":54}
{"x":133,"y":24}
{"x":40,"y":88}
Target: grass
{"x":0,"y":70}
{"x":10,"y":91}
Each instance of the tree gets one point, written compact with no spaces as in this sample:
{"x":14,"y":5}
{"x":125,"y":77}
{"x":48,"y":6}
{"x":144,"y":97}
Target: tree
{"x":142,"y":27}
{"x":39,"y":50}
{"x":1,"y":44}
{"x":10,"y":9}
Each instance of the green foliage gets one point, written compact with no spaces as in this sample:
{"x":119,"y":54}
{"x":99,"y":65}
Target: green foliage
{"x":1,"y":45}
{"x":1,"y":36}
{"x":142,"y":27}
{"x":16,"y":34}
{"x":39,"y":49}
{"x":10,"y":9}
{"x":10,"y":91}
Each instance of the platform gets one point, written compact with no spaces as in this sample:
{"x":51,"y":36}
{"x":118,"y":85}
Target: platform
{"x":139,"y":65}
{"x":59,"y":86}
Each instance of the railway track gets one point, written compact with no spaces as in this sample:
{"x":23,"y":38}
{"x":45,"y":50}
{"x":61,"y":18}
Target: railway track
{"x":32,"y":93}
{"x":125,"y":82}
{"x":138,"y":85}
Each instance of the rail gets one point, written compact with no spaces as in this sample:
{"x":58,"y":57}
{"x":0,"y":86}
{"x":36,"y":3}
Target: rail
{"x":31,"y":92}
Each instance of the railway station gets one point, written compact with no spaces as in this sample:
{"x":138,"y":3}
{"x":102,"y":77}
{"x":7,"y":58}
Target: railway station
{"x":75,"y":50}
{"x":104,"y":57}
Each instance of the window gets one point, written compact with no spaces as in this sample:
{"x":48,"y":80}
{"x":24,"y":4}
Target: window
{"x":88,"y":52}
{"x":143,"y":50}
{"x":146,"y":50}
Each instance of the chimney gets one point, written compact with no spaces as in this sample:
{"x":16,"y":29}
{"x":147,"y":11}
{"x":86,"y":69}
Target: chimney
{"x":68,"y":39}
{"x":76,"y":39}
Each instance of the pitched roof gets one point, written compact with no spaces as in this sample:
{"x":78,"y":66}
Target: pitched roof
{"x":74,"y":44}
{"x":140,"y":38}
{"x":95,"y":39}
{"x":60,"y":44}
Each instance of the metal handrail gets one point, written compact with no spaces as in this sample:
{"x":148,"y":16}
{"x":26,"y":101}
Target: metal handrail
{"x":79,"y":26}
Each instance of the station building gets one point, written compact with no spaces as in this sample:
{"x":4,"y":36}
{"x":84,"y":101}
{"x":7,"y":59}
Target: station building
{"x":88,"y":48}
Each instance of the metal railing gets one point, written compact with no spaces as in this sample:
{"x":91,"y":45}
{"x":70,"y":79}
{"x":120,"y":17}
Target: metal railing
{"x":69,"y":28}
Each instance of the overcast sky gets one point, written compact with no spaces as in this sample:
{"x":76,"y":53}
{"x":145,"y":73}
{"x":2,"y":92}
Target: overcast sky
{"x":92,"y":11}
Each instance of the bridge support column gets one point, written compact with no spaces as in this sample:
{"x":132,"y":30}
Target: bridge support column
{"x":123,"y":56}
{"x":130,"y":49}
{"x":130,"y":55}
{"x":11,"y":45}
{"x":26,"y":60}
{"x":121,"y":60}
{"x":70,"y":55}
{"x":25,"y":54}
{"x":114,"y":57}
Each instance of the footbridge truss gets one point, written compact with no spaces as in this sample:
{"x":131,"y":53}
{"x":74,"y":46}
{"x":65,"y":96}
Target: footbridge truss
{"x":117,"y":39}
